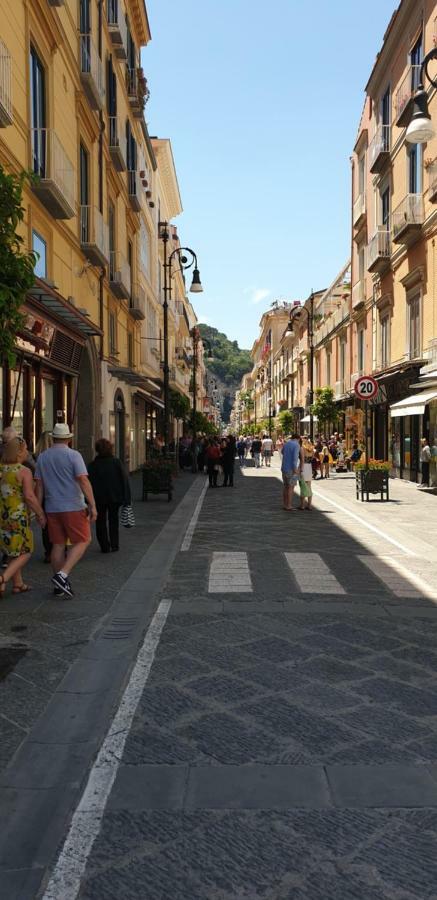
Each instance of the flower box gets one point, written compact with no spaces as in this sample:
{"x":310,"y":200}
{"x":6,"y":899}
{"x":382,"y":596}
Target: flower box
{"x":157,"y":478}
{"x":372,"y":481}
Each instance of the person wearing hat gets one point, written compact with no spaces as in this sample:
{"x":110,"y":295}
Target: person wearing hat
{"x":63,"y":485}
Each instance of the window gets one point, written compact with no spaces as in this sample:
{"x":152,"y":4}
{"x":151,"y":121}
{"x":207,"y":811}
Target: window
{"x":111,"y":94}
{"x":130,"y":350}
{"x":84,"y":176}
{"x":342,"y":359}
{"x":38,"y":114}
{"x":361,"y":174}
{"x":385,"y":208}
{"x":416,"y":61}
{"x":361,"y":263}
{"x":328,"y":368}
{"x":414,"y":153}
{"x":112,"y":334}
{"x":144,"y":250}
{"x":39,"y":246}
{"x":130,"y":257}
{"x":385,"y":111}
{"x":111,"y":232}
{"x":414,"y":341}
{"x":85,"y":17}
{"x":131,"y":52}
{"x":360,"y":350}
{"x":385,"y":341}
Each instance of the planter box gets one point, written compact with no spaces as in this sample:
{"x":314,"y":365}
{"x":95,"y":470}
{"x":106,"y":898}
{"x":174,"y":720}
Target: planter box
{"x":372,"y":481}
{"x":157,"y":480}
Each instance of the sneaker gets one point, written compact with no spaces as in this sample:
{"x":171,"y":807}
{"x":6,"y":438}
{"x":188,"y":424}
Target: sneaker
{"x":58,"y":592}
{"x":60,"y":582}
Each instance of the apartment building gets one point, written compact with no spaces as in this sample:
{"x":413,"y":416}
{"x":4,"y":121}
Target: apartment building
{"x":394,"y":227}
{"x":72,"y":99}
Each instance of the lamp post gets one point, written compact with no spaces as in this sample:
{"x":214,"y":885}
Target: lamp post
{"x":185,"y":262}
{"x":290,"y":331}
{"x":421,"y":130}
{"x":196,"y":338}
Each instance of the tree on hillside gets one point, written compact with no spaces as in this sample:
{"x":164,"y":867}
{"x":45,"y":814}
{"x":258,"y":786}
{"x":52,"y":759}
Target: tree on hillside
{"x":229,"y":362}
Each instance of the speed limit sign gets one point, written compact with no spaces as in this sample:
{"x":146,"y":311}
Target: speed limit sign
{"x":366,"y":387}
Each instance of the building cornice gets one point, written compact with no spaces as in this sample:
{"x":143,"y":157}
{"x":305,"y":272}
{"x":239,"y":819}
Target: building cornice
{"x":167,"y":172}
{"x":394,"y":35}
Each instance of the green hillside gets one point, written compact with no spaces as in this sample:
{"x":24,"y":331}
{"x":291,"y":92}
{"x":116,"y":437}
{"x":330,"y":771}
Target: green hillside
{"x":229,"y":363}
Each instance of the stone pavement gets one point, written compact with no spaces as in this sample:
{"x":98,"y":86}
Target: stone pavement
{"x":53,"y":631}
{"x":285,"y":745}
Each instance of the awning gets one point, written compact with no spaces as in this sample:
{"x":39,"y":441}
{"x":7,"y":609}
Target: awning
{"x":130,"y":376}
{"x":150,"y":399}
{"x":307,"y":419}
{"x":414,"y":405}
{"x":54,"y":303}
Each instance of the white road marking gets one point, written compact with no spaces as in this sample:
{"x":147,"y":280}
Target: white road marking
{"x":65,"y":881}
{"x":312,"y":574}
{"x":186,"y":543}
{"x":398,"y":578}
{"x":352,"y":515}
{"x":229,"y":574}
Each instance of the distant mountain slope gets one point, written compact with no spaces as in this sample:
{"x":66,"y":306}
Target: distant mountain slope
{"x":229,"y":365}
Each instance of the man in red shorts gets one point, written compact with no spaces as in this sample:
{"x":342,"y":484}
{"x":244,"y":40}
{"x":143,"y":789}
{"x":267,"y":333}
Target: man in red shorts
{"x":62,"y":485}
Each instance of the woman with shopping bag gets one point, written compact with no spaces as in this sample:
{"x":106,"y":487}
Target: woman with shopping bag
{"x":111,"y":490}
{"x":306,"y":474}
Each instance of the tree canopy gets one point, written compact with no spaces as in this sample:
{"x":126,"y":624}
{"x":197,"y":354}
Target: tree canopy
{"x":16,"y":266}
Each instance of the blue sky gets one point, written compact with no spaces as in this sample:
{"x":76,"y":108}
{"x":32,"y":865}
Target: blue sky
{"x":261,"y":102}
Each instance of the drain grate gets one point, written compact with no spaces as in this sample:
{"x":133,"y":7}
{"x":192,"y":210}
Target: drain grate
{"x":120,"y":629}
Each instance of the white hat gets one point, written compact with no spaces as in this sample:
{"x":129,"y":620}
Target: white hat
{"x":61,"y":430}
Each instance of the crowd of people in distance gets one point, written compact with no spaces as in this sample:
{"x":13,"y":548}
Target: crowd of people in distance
{"x":55,"y":486}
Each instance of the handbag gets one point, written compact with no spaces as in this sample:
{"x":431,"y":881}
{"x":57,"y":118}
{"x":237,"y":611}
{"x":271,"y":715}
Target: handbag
{"x":303,"y":488}
{"x":127,"y":518}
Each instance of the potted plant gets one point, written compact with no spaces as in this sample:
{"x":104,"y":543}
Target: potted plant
{"x":372,"y":478}
{"x":157,"y":477}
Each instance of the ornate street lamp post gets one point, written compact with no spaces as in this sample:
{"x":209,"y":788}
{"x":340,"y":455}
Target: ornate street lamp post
{"x":196,"y":338}
{"x":290,"y":331}
{"x":185,"y":262}
{"x":421,"y":130}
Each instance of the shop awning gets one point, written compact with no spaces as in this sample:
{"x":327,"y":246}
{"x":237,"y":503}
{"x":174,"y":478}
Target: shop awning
{"x":307,"y":419}
{"x":150,"y":398}
{"x":414,"y":405}
{"x":53,"y":302}
{"x":130,"y":376}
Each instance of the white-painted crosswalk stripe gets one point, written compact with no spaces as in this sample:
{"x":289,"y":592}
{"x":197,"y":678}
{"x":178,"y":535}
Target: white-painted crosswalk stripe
{"x":398,"y":579}
{"x":229,"y":574}
{"x":312,"y":574}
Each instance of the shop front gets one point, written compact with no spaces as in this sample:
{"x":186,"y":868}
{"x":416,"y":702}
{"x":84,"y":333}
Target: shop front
{"x":412,"y":418}
{"x":42,"y":388}
{"x":391,"y":439}
{"x":132,"y":413}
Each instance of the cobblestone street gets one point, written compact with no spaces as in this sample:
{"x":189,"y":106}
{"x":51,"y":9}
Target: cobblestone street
{"x":285,"y":743}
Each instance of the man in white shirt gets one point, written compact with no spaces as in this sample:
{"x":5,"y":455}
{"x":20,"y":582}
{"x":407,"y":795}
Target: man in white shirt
{"x":267,"y":449}
{"x":425,"y":458}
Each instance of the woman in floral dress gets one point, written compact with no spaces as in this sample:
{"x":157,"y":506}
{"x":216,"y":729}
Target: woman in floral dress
{"x":17,"y":498}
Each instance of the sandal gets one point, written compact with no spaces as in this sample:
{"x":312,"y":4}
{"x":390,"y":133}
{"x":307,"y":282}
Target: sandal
{"x":21,"y":589}
{"x":2,"y":585}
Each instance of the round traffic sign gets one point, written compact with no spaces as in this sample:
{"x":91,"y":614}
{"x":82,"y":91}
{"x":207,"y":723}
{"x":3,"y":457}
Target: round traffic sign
{"x":366,"y":387}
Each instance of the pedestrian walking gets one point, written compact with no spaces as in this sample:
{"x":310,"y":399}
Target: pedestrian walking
{"x":306,"y":474}
{"x":425,"y":458}
{"x":111,"y":490}
{"x":62,"y":483}
{"x":256,"y":451}
{"x":213,"y":456}
{"x":325,"y":461}
{"x":290,"y":470}
{"x":17,"y":498}
{"x":9,"y":434}
{"x":241,"y":449}
{"x":267,"y":449}
{"x":228,"y":462}
{"x":45,"y":441}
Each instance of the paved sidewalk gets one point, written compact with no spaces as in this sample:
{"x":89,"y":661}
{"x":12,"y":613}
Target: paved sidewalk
{"x":55,"y":631}
{"x":285,"y":745}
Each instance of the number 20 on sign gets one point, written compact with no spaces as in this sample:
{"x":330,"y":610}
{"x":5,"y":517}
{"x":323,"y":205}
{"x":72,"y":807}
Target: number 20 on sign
{"x":366,"y":387}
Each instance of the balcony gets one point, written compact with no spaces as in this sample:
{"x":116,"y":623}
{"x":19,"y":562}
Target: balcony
{"x":94,"y":236}
{"x":134,"y":190}
{"x":432,"y":182}
{"x":91,"y":72}
{"x":378,"y":251}
{"x":6,"y":116}
{"x":119,"y":275}
{"x":137,"y":91}
{"x":405,"y":94}
{"x":117,"y":28}
{"x":359,"y":211}
{"x":117,"y":143}
{"x":137,"y":304}
{"x":358,"y":294}
{"x":408,"y":219}
{"x":55,"y":185}
{"x":379,"y":149}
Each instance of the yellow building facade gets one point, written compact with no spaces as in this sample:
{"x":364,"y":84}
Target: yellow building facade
{"x":72,"y":99}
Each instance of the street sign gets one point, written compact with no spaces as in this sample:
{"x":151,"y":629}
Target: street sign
{"x":366,"y":387}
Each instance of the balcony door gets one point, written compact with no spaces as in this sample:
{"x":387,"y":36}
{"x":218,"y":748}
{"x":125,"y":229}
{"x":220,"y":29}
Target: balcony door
{"x":85,"y":17}
{"x":415,"y":169}
{"x":38,"y":114}
{"x":416,"y":56}
{"x":84,"y":194}
{"x":85,"y":31}
{"x":385,"y":209}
